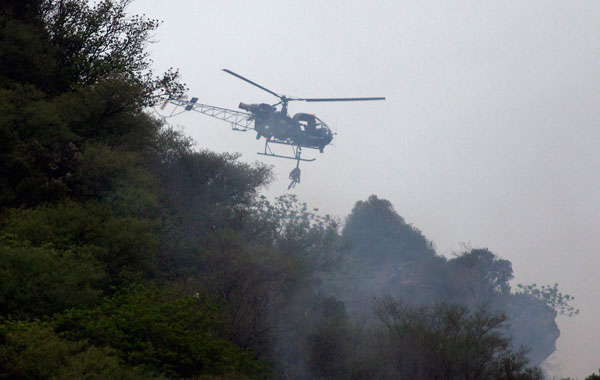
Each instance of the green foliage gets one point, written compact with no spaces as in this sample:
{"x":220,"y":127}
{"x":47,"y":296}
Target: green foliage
{"x":493,"y":272}
{"x":317,"y":340}
{"x":514,"y":366}
{"x":478,"y":278}
{"x":253,"y":283}
{"x":329,"y":340}
{"x":551,"y":296}
{"x":118,"y":179}
{"x":447,"y":342}
{"x":109,"y":112}
{"x":125,"y":246}
{"x":380,"y":236}
{"x":593,"y":376}
{"x":74,"y":79}
{"x":96,"y":363}
{"x":26,"y":55}
{"x":298,"y":232}
{"x":178,"y":336}
{"x":193,"y":180}
{"x":38,"y":281}
{"x":85,"y":43}
{"x":203,"y":193}
{"x":38,"y":154}
{"x":34,"y":351}
{"x":98,"y":41}
{"x":88,"y":181}
{"x":46,"y":157}
{"x":258,"y":261}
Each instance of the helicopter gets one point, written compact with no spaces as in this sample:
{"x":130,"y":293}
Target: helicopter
{"x":303,"y":130}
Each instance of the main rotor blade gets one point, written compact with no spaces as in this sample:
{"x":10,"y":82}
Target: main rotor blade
{"x":249,"y":81}
{"x":340,"y":99}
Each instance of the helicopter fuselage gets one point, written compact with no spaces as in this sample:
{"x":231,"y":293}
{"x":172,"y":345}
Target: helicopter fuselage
{"x":302,"y":130}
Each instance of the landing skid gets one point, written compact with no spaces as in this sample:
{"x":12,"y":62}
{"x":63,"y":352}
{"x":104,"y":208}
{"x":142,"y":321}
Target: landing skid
{"x":288,"y":157}
{"x":295,"y":173}
{"x":295,"y":149}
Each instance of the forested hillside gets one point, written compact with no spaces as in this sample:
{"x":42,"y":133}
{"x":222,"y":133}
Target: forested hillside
{"x":127,"y":253}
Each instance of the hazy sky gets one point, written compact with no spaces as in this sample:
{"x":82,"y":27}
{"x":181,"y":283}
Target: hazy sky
{"x":489,"y":134}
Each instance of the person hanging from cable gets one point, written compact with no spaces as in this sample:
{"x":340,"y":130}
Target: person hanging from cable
{"x":295,"y":176}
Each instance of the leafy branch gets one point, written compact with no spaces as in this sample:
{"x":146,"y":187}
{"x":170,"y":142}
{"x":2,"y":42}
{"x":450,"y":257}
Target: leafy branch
{"x":551,"y":296}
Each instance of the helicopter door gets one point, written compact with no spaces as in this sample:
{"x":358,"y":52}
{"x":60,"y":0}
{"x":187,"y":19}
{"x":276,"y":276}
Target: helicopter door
{"x":307,"y":125}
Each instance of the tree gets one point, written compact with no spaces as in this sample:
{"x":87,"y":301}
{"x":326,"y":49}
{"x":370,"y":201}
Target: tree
{"x":552,"y":297}
{"x":34,"y":351}
{"x":380,"y":236}
{"x":386,"y":255}
{"x":593,"y":376}
{"x":329,"y":339}
{"x":40,"y":281}
{"x":89,"y":43}
{"x":161,"y":332}
{"x":125,"y":247}
{"x":447,"y":342}
{"x":311,"y":239}
{"x":73,"y":78}
{"x":532,"y":325}
{"x":252,"y":282}
{"x":478,"y":278}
